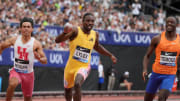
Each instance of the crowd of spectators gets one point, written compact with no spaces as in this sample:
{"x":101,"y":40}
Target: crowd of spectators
{"x":119,"y":15}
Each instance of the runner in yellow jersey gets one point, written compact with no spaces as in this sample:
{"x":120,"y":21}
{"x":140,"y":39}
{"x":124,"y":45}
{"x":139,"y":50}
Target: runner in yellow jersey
{"x":82,"y":41}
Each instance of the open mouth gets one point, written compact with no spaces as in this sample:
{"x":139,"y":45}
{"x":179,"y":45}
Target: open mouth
{"x":89,"y":27}
{"x":169,"y":27}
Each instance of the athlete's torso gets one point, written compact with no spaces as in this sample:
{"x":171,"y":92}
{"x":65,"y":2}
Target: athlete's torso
{"x":23,"y":55}
{"x":80,"y":49}
{"x":166,"y":53}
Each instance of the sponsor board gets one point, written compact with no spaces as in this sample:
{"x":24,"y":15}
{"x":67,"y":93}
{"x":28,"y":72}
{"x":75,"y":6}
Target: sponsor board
{"x":55,"y":59}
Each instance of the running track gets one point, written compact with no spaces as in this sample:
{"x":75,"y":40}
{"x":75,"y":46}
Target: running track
{"x":90,"y":96}
{"x":94,"y":98}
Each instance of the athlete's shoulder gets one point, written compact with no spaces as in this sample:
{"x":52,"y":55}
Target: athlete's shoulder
{"x":37,"y":44}
{"x":94,"y":31}
{"x":156,"y":39}
{"x":75,"y":28}
{"x":179,"y":37}
{"x":12,"y":40}
{"x":36,"y":41}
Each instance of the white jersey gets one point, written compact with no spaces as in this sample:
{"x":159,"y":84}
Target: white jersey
{"x":100,"y":70}
{"x":23,"y":55}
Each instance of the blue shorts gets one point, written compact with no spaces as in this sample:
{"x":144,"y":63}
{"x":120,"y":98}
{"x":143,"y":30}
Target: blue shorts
{"x":101,"y":80}
{"x":161,"y":81}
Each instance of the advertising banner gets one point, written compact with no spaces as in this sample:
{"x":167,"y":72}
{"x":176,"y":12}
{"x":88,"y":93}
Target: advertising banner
{"x":55,"y":59}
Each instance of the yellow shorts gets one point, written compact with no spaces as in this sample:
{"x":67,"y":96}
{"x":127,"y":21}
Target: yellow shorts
{"x":70,"y":75}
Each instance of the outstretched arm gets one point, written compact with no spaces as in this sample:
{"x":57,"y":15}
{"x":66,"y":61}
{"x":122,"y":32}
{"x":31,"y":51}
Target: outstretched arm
{"x":149,"y":52}
{"x":99,"y":48}
{"x":39,"y":53}
{"x":7,"y":43}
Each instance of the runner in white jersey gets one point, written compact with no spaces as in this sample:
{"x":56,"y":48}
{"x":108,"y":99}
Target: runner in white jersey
{"x":26,"y":48}
{"x":23,"y":55}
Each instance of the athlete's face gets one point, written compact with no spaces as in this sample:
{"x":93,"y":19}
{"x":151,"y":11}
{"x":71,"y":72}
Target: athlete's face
{"x":26,"y":29}
{"x":170,"y":24}
{"x":88,"y":22}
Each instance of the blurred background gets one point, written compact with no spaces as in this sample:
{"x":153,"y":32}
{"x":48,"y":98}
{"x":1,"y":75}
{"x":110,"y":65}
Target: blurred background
{"x":126,"y":28}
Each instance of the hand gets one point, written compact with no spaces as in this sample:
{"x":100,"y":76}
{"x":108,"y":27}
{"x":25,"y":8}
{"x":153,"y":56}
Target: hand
{"x":36,"y":55}
{"x":144,"y":74}
{"x":41,"y":59}
{"x":114,"y":59}
{"x":68,"y":28}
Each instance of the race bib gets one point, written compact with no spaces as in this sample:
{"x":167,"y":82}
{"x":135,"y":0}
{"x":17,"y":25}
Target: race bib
{"x":81,"y":54}
{"x":168,"y":58}
{"x":21,"y":66}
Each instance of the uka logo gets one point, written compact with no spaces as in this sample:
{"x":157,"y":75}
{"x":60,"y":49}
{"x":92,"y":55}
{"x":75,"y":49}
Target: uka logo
{"x":124,"y":38}
{"x":142,"y":39}
{"x":56,"y":58}
{"x":53,"y":32}
{"x":95,"y":60}
{"x":12,"y":55}
{"x":102,"y":37}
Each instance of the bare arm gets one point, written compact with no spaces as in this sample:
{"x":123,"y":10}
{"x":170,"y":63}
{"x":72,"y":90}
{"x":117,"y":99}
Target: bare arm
{"x":99,"y":48}
{"x":7,"y":43}
{"x":151,"y":48}
{"x":39,"y":53}
{"x":65,"y":35}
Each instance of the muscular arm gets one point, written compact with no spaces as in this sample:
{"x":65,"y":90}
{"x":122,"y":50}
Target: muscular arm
{"x":39,"y":53}
{"x":65,"y":36}
{"x":99,"y":48}
{"x":151,"y":48}
{"x":7,"y":43}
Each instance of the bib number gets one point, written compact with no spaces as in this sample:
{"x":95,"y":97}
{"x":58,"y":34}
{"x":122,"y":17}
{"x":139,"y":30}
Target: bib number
{"x":81,"y":54}
{"x":168,"y":58}
{"x":21,"y":63}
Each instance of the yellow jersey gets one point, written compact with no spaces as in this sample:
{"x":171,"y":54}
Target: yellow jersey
{"x":80,"y":49}
{"x":79,"y":57}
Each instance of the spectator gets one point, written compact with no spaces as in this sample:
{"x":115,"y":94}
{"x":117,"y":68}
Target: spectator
{"x":124,"y":81}
{"x":59,"y":12}
{"x":161,"y":17}
{"x":111,"y":78}
{"x":131,"y":27}
{"x":136,"y":7}
{"x":122,"y":5}
{"x":101,"y":75}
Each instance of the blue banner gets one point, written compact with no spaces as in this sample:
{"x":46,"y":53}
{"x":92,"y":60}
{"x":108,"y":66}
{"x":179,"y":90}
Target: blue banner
{"x":108,"y":37}
{"x":131,"y":38}
{"x":112,"y":37}
{"x":104,"y":36}
{"x":56,"y":59}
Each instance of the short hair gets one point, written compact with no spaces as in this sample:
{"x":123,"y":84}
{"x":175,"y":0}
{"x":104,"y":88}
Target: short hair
{"x":176,"y":19}
{"x":86,"y":14}
{"x":26,"y":19}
